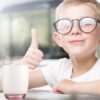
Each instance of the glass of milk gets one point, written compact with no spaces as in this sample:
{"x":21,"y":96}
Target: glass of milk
{"x":15,"y":81}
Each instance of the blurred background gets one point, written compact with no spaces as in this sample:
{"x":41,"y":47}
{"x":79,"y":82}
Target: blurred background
{"x":17,"y":17}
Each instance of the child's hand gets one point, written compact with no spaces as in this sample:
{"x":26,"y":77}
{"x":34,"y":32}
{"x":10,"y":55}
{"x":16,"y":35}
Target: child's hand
{"x":33,"y":56}
{"x":64,"y":86}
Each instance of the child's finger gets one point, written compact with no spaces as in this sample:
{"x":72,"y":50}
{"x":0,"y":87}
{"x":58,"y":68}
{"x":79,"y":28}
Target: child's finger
{"x":34,"y":43}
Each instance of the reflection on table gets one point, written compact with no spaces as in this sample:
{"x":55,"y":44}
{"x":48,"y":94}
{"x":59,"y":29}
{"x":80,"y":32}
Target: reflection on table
{"x":48,"y":95}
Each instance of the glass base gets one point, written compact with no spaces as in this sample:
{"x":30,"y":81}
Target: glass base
{"x":15,"y":96}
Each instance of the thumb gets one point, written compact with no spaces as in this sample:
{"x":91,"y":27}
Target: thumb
{"x":34,"y":43}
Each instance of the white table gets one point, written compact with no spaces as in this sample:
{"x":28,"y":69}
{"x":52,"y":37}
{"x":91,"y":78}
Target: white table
{"x":48,"y":95}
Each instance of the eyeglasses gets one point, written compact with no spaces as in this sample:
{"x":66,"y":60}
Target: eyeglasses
{"x":86,"y":25}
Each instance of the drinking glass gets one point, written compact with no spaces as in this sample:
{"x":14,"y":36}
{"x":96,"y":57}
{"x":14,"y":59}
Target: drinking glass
{"x":15,"y":81}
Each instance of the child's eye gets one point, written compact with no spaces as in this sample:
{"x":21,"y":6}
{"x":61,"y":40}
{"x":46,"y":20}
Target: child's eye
{"x":64,"y":24}
{"x":86,"y":24}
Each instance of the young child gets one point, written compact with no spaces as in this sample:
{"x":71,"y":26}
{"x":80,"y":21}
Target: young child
{"x":78,"y":33}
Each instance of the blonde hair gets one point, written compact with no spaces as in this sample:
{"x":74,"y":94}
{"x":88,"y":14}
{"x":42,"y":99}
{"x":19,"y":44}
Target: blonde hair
{"x":93,"y":3}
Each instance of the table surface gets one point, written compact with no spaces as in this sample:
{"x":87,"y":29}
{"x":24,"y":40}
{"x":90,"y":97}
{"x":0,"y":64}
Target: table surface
{"x":48,"y":95}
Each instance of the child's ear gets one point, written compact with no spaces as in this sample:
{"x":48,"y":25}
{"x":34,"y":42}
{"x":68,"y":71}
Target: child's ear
{"x":57,"y":39}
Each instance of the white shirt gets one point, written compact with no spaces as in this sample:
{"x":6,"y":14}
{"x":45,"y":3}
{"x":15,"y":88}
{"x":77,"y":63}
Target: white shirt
{"x":62,"y":69}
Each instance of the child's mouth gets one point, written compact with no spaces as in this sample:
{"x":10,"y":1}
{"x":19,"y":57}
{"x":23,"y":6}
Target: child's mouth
{"x":76,"y":42}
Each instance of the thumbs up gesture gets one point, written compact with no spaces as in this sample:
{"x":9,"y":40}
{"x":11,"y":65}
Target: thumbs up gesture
{"x":33,"y":56}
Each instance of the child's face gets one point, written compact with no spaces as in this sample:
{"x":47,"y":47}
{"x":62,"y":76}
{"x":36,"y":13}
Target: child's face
{"x":76,"y":42}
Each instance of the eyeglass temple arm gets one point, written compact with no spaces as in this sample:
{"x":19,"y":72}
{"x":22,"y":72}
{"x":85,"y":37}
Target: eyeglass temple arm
{"x":99,"y":21}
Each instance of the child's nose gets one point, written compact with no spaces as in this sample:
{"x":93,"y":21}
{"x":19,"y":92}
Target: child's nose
{"x":75,"y":29}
